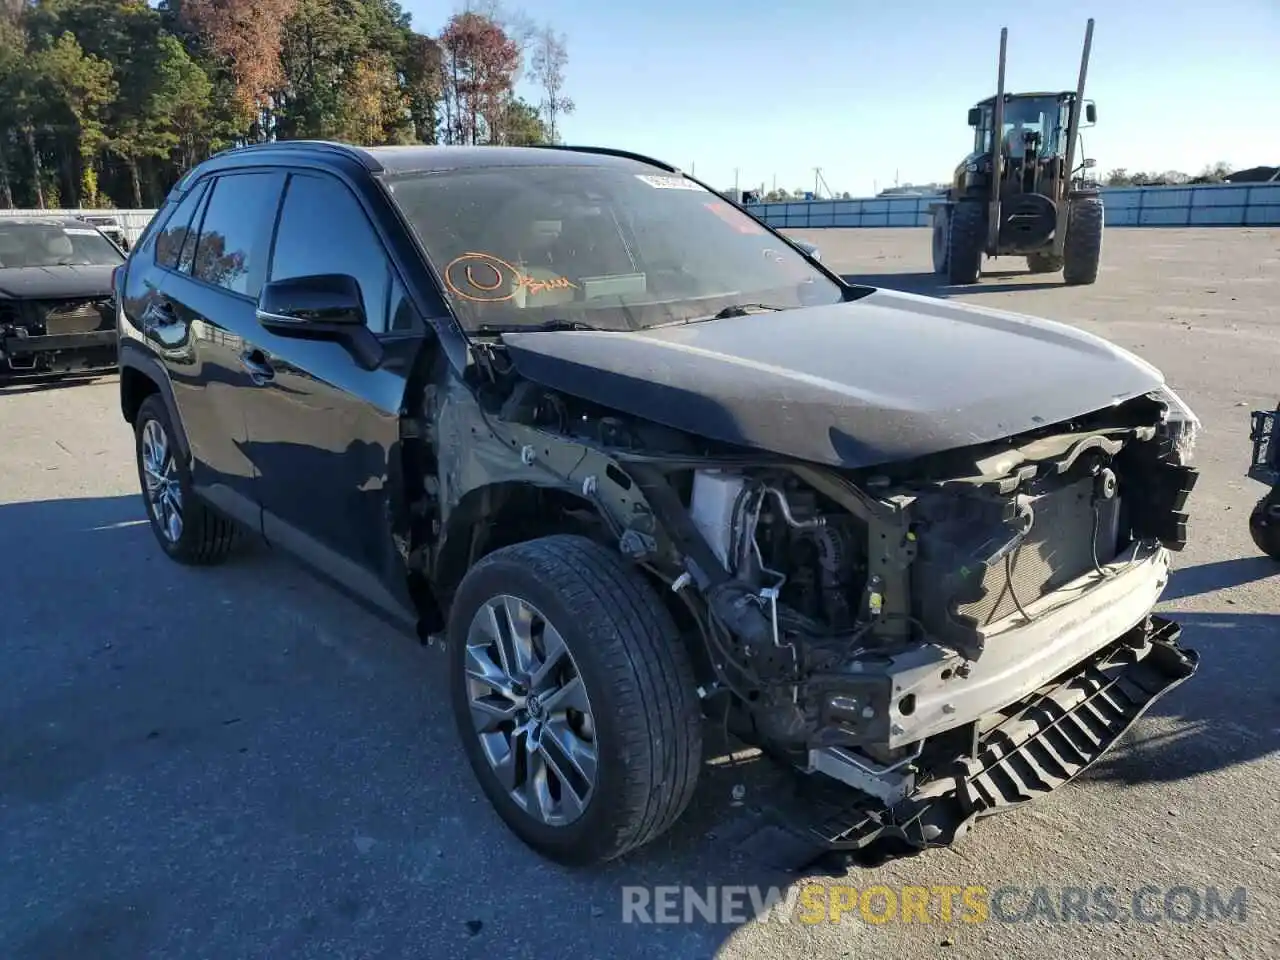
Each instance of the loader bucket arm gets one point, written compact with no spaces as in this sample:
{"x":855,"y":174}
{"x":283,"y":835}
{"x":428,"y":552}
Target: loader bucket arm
{"x":1073,"y":131}
{"x":997,"y":125}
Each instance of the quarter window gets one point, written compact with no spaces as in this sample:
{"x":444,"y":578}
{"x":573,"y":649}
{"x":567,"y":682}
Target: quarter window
{"x":170,"y":240}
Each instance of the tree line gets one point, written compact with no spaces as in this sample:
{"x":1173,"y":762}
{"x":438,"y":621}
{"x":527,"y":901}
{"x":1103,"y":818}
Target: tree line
{"x":105,"y":103}
{"x":1121,"y":177}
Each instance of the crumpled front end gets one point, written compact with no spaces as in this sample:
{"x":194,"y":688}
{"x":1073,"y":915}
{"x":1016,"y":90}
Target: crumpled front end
{"x":953,"y":635}
{"x":61,"y":335}
{"x":957,"y":631}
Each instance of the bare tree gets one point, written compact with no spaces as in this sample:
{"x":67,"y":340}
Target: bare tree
{"x":519,"y":27}
{"x":550,"y":56}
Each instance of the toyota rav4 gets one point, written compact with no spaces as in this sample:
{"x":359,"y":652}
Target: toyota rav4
{"x":644,"y":461}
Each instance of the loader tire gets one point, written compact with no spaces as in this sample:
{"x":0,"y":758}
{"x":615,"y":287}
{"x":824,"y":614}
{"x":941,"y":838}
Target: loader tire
{"x":1043,"y":263}
{"x":1264,"y":524}
{"x":940,"y":239}
{"x":966,"y":242}
{"x":1083,"y":250}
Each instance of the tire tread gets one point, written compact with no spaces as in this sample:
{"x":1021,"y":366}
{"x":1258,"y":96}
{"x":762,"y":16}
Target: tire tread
{"x":650,"y":676}
{"x":1082,"y":253}
{"x":208,"y":537}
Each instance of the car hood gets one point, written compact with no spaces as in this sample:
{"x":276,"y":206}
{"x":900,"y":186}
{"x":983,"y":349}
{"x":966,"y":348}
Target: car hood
{"x":886,"y":378}
{"x":47,"y":283}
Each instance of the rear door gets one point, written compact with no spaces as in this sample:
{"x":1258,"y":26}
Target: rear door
{"x":324,"y":433}
{"x":198,"y":321}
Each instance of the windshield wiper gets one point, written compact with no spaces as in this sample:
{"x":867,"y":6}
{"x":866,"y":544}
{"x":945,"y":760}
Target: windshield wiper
{"x":546,"y":325}
{"x":733,"y":310}
{"x":743,"y":309}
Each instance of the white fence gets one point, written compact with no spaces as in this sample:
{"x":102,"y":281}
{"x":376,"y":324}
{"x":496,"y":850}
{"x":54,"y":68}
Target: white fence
{"x":1198,"y":205}
{"x":132,"y":222}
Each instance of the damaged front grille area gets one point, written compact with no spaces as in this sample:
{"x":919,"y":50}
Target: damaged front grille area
{"x":988,"y":554}
{"x":1072,"y":531}
{"x":56,"y":336}
{"x":59,"y":317}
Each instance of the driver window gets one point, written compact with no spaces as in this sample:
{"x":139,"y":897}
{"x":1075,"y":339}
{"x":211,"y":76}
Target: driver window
{"x":323,"y":229}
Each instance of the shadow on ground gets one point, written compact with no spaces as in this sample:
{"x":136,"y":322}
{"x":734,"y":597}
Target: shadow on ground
{"x":38,"y":383}
{"x":1211,"y":577}
{"x":236,"y":761}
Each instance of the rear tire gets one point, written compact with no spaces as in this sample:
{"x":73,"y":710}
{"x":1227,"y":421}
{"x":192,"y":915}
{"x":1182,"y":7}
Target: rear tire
{"x":1083,"y":250}
{"x":1264,"y":524}
{"x":966,"y":242}
{"x":1043,"y":263}
{"x":188,"y":530}
{"x":633,"y":718}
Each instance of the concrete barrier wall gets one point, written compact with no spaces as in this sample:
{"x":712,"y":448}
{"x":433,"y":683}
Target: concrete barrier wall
{"x":1202,"y":205}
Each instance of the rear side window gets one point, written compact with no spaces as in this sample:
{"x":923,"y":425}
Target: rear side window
{"x":170,"y":240}
{"x":236,"y":231}
{"x":187,"y":257}
{"x":323,"y":229}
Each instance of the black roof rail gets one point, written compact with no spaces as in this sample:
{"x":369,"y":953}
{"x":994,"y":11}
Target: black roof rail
{"x":611,"y":152}
{"x":347,"y":150}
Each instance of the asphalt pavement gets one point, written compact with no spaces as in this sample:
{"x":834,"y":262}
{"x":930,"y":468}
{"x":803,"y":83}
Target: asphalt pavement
{"x":239,"y":762}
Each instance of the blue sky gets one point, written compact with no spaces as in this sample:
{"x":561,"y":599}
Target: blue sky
{"x":872,"y":90}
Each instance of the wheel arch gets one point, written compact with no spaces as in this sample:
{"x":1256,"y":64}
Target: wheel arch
{"x":503,"y":513}
{"x":142,"y":376}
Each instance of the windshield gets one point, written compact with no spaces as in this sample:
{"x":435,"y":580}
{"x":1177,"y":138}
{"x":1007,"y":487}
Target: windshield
{"x":46,"y":245}
{"x":607,"y":247}
{"x":1043,"y":116}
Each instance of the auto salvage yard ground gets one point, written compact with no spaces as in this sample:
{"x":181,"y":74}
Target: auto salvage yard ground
{"x":240,"y":763}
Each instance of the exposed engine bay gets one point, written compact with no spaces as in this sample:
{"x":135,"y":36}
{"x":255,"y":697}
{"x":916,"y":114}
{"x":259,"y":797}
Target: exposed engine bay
{"x":862,"y":623}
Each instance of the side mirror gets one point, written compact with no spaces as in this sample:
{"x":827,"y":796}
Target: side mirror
{"x":809,"y":248}
{"x":318,"y":306}
{"x":1090,"y":113}
{"x":975,"y":116}
{"x":322,"y":307}
{"x":1088,"y":164}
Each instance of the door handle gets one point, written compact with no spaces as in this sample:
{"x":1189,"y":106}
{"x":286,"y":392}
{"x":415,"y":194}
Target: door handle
{"x":256,"y":363}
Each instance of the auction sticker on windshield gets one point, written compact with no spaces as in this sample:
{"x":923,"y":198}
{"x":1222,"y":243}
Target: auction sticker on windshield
{"x":668,"y":183}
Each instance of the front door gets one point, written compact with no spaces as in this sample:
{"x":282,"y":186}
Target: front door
{"x":324,"y":433}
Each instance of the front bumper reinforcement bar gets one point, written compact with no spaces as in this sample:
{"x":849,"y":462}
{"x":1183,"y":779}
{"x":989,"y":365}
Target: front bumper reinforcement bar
{"x":1046,"y":741}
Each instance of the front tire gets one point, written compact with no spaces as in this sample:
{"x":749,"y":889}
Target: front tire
{"x":1082,"y":253}
{"x":188,"y":530}
{"x":574,"y":698}
{"x":966,"y":242}
{"x":940,"y":239}
{"x":1264,"y":524}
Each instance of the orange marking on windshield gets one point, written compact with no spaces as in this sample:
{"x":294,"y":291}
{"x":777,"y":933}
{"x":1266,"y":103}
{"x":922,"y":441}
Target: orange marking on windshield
{"x":467,"y":277}
{"x":471,"y":278}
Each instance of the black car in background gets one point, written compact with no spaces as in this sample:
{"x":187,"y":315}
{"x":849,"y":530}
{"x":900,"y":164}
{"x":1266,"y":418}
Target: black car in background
{"x":57,"y":312}
{"x":643,"y":460}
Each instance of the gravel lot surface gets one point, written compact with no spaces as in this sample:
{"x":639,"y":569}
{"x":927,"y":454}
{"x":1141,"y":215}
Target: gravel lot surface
{"x":241,"y":763}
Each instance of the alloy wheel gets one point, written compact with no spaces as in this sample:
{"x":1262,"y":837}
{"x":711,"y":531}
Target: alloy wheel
{"x":163,"y":489}
{"x":530,"y":710}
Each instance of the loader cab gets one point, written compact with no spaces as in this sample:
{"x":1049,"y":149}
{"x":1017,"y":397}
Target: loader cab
{"x":1046,"y":117}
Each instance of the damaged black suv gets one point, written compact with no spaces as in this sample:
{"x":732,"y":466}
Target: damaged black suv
{"x":645,"y":461}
